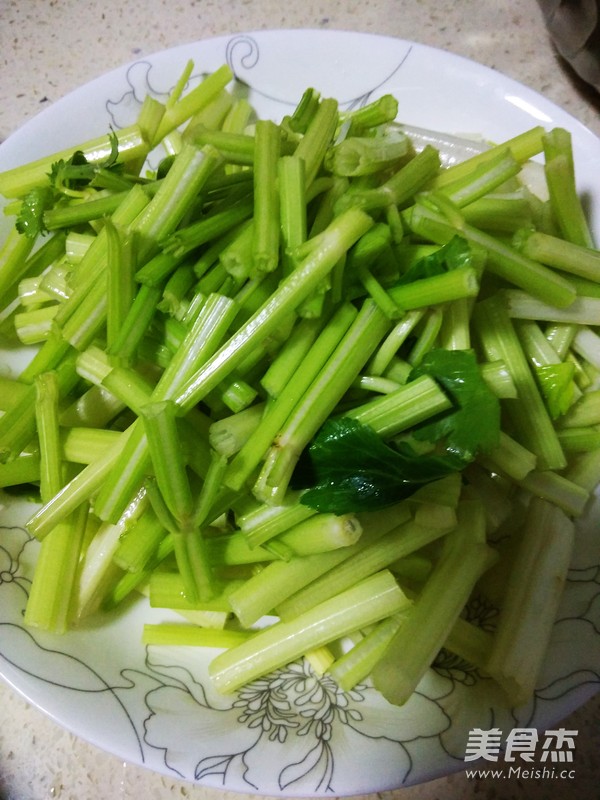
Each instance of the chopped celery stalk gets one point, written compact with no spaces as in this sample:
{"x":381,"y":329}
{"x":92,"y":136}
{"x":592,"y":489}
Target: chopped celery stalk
{"x":358,"y":662}
{"x":185,"y":635}
{"x":533,"y":592}
{"x":383,"y":553}
{"x":19,"y":180}
{"x":424,"y":629}
{"x":371,"y":600}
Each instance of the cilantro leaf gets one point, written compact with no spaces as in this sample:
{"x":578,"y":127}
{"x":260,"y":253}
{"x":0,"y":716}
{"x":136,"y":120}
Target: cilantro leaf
{"x":353,"y":469}
{"x":30,"y":220}
{"x":475,"y":423}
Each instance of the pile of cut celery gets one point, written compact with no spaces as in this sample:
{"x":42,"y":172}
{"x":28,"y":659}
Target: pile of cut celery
{"x":303,"y":385}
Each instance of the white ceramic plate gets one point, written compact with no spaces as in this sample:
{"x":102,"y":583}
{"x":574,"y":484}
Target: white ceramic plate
{"x":290,"y":733}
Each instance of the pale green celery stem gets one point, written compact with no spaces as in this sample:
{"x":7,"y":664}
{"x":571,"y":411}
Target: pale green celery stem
{"x":192,"y":103}
{"x":428,"y":335}
{"x":318,"y":137}
{"x":120,"y":280}
{"x":84,"y":445}
{"x":522,"y":147}
{"x":35,"y":325}
{"x":425,"y":627}
{"x":290,"y":356}
{"x":585,"y":412}
{"x":19,"y":180}
{"x":166,"y":590}
{"x":455,"y":333}
{"x":171,"y":634}
{"x":13,"y":258}
{"x":199,"y":344}
{"x":159,"y":421}
{"x":292,"y":206}
{"x":318,"y":534}
{"x":470,"y":642}
{"x":581,"y":439}
{"x":485,"y":178}
{"x":561,"y":254}
{"x":356,"y":664}
{"x":365,"y":155}
{"x":406,"y":406}
{"x":587,"y":344}
{"x":189,"y":172}
{"x":533,"y":593}
{"x":318,"y":402}
{"x":510,"y":458}
{"x":502,"y":259}
{"x":582,"y":311}
{"x":267,"y":589}
{"x":393,"y":341}
{"x":265,"y":521}
{"x":498,"y":378}
{"x":557,"y":489}
{"x":47,"y":396}
{"x":78,"y":490}
{"x":382,"y":553}
{"x":229,"y":434}
{"x":462,"y":282}
{"x":98,"y":570}
{"x":533,"y":426}
{"x":559,"y":168}
{"x":340,"y":235}
{"x":95,"y":366}
{"x":210,"y":488}
{"x":373,"y":599}
{"x":585,"y":470}
{"x":92,"y":266}
{"x":50,"y":603}
{"x":95,"y":408}
{"x":266,"y":228}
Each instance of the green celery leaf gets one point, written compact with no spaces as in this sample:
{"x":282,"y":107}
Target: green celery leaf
{"x":475,"y":423}
{"x":456,"y":253}
{"x":353,"y":469}
{"x":30,"y":221}
{"x":557,"y":385}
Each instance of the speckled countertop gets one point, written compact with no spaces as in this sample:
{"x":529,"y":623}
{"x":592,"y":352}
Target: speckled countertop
{"x":48,"y":48}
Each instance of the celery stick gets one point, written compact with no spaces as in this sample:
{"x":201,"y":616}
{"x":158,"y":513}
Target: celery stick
{"x":19,"y":180}
{"x":565,"y":202}
{"x":523,"y":146}
{"x":528,"y":414}
{"x":502,"y":260}
{"x":382,"y":553}
{"x":406,"y":406}
{"x":266,"y":228}
{"x":317,"y":138}
{"x":46,"y":407}
{"x":267,"y":589}
{"x":14,"y":259}
{"x":582,"y":311}
{"x":531,"y":601}
{"x":185,"y":635}
{"x":52,"y":592}
{"x":425,"y":627}
{"x":251,"y":454}
{"x":318,"y":534}
{"x":193,"y":102}
{"x":561,"y":254}
{"x":318,"y":402}
{"x":341,"y":235}
{"x":371,"y":600}
{"x":356,"y":664}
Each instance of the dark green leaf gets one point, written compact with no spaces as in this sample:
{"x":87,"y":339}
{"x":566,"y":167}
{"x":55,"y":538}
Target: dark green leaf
{"x":475,"y":422}
{"x":457,"y":253}
{"x":353,"y":469}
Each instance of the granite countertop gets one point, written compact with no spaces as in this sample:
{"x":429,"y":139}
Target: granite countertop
{"x":48,"y":48}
